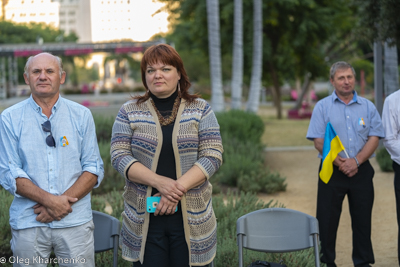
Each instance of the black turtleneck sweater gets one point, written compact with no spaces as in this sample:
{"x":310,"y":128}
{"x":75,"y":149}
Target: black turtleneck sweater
{"x":166,"y":162}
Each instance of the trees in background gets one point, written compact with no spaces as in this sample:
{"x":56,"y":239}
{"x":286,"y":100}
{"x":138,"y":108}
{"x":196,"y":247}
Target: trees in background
{"x":214,"y":49}
{"x":296,"y":36}
{"x":237,"y":56}
{"x":380,"y":22}
{"x":297,"y":33}
{"x":15,"y":33}
{"x":256,"y":69}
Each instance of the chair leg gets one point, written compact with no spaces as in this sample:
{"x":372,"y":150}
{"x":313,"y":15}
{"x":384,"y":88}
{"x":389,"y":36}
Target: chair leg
{"x":240,"y":245}
{"x":316,"y":250}
{"x":115,"y":260}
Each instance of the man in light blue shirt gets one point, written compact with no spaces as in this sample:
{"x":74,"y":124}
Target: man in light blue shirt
{"x":359,"y":127}
{"x":49,"y":161}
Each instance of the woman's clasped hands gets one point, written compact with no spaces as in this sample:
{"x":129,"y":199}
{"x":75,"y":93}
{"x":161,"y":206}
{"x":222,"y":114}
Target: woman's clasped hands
{"x":171,"y":192}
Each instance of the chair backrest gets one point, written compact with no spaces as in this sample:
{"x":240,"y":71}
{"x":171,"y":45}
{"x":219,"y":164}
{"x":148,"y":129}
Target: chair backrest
{"x":106,"y":233}
{"x":277,"y":230}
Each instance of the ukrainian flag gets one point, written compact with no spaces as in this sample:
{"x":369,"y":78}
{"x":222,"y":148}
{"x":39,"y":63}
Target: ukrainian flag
{"x":332,"y":147}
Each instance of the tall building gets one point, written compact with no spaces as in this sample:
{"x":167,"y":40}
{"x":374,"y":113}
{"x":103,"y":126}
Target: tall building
{"x":92,"y":20}
{"x":97,"y":20}
{"x":25,"y":11}
{"x":112,"y":20}
{"x":75,"y":17}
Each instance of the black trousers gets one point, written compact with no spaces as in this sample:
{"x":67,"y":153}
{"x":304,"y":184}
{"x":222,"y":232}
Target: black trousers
{"x":360,"y":193}
{"x":396,"y":168}
{"x":166,"y":245}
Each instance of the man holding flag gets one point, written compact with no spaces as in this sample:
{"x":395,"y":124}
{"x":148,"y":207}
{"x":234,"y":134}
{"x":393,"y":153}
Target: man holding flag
{"x":346,"y":129}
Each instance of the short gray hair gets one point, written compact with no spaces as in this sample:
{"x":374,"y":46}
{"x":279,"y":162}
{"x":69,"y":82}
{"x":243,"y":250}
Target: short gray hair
{"x":59,"y":61}
{"x":340,"y":65}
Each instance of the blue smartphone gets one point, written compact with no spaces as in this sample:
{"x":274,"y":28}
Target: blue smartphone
{"x":152,"y":203}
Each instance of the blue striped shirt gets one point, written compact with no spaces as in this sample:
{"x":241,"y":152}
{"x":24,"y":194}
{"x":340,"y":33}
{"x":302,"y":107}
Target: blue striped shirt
{"x":24,"y":153}
{"x":353,"y":122}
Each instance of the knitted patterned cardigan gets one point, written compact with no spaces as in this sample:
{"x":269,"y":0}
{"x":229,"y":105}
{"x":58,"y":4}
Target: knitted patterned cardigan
{"x":137,"y":136}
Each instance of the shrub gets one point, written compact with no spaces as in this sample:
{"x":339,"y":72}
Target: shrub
{"x":72,"y":91}
{"x":261,"y":181}
{"x":127,"y":89}
{"x":238,"y":157}
{"x":113,"y":180}
{"x":241,"y":125}
{"x":139,"y":89}
{"x":113,"y":199}
{"x":5,"y":230}
{"x":105,"y":259}
{"x":121,"y":89}
{"x":243,"y":155}
{"x":322,"y":94}
{"x":104,"y":126}
{"x":98,"y":203}
{"x":384,"y":160}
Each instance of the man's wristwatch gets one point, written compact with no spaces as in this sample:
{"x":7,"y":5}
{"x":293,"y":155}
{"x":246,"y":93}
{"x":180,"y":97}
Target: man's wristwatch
{"x":358,"y":164}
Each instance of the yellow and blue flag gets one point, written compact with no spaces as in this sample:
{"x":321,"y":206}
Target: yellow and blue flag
{"x":332,"y":147}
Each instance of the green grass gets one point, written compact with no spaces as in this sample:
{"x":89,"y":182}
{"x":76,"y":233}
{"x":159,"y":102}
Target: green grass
{"x":283,"y":132}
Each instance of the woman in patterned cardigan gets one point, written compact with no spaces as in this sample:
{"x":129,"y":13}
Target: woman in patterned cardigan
{"x":167,"y":143}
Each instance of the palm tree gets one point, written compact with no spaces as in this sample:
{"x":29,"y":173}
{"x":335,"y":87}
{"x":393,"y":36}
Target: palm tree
{"x":256,"y":71}
{"x":237,"y":61}
{"x":214,"y":47}
{"x":391,"y":74}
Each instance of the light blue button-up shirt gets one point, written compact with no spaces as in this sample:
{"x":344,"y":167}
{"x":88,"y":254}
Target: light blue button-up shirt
{"x":391,"y":124}
{"x":353,"y":122}
{"x":24,"y":153}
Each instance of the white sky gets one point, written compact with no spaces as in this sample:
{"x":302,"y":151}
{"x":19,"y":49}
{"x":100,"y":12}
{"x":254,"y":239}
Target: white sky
{"x":146,"y":24}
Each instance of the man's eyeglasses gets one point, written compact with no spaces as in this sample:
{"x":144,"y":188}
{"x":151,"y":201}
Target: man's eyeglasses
{"x":46,"y":126}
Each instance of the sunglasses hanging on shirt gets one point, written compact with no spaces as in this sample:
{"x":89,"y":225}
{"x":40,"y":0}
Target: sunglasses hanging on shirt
{"x":46,"y":126}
